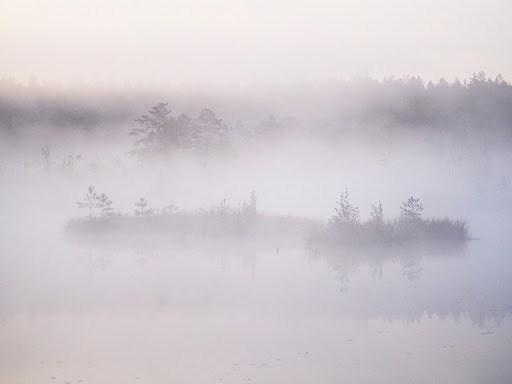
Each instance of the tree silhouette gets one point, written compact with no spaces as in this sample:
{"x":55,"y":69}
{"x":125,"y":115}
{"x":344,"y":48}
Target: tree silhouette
{"x":209,"y":132}
{"x":411,"y":208}
{"x":159,"y":131}
{"x":89,"y":201}
{"x":377,"y":214}
{"x":346,"y":213}
{"x":105,"y":204}
{"x":142,"y":211}
{"x":169,"y":209}
{"x":270,"y":126}
{"x":248,"y":208}
{"x":47,"y":159}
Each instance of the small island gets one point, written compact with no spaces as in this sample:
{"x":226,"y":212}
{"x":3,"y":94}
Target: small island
{"x":243,"y":221}
{"x":222,"y":221}
{"x":346,"y":229}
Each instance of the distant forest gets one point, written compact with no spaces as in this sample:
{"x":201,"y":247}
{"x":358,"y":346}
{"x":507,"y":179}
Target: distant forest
{"x":477,"y":109}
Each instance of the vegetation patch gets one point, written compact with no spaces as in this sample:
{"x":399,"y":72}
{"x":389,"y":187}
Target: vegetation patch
{"x":346,"y":228}
{"x":220,"y":220}
{"x":223,"y":219}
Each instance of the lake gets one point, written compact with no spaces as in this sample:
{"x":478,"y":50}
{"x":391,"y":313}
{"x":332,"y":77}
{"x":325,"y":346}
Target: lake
{"x":252,"y":311}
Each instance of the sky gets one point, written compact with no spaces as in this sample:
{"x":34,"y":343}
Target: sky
{"x":199,"y":42}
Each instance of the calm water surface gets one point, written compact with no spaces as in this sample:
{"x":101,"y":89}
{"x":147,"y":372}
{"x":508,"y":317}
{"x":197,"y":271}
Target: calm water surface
{"x":249,"y":312}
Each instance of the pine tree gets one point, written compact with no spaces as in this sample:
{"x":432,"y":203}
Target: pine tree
{"x":209,"y":132}
{"x":159,"y":131}
{"x":89,"y":201}
{"x":142,"y":211}
{"x":105,"y":204}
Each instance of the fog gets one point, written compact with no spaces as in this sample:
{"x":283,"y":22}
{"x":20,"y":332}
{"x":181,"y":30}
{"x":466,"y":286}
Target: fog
{"x":233,"y":267}
{"x":202,"y":44}
{"x":255,"y":192}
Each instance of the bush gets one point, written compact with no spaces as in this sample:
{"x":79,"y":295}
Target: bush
{"x":344,"y":228}
{"x":220,"y":219}
{"x":346,"y":213}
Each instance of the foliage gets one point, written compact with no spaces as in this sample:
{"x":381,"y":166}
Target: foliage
{"x":346,"y":213}
{"x":142,"y":208}
{"x":245,"y":208}
{"x":220,"y":218}
{"x":411,"y":208}
{"x":221,"y":209}
{"x":209,"y":132}
{"x":105,"y":204}
{"x":476,"y":109}
{"x":377,"y":214}
{"x":68,"y":163}
{"x":270,"y":127}
{"x":93,"y":200}
{"x":344,"y":228}
{"x":159,"y":131}
{"x":248,"y":207}
{"x":169,"y":209}
{"x":89,"y":201}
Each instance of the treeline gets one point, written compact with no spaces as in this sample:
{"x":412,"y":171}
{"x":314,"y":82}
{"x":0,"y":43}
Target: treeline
{"x":27,"y":106}
{"x":161,"y":133}
{"x":478,"y":108}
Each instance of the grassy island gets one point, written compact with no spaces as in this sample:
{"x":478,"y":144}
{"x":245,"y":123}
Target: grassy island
{"x":345,"y":227}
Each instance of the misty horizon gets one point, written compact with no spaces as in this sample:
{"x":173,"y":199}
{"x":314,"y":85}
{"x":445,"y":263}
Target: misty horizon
{"x":265,"y":192}
{"x":200,"y":43}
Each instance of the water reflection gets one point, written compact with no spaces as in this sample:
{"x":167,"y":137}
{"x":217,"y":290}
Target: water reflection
{"x":230,"y":312}
{"x":395,"y":283}
{"x":345,"y":260}
{"x":457,"y":280}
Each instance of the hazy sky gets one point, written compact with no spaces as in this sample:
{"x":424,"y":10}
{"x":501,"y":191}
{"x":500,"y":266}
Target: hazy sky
{"x":207,"y":42}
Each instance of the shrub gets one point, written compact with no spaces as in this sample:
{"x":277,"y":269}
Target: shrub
{"x":377,"y":214}
{"x":411,"y":208}
{"x":344,"y":228}
{"x":248,"y":208}
{"x":221,"y":209}
{"x":169,"y":209}
{"x":346,"y":213}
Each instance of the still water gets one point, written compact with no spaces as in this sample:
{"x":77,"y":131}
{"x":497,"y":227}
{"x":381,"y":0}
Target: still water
{"x":248,"y":311}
